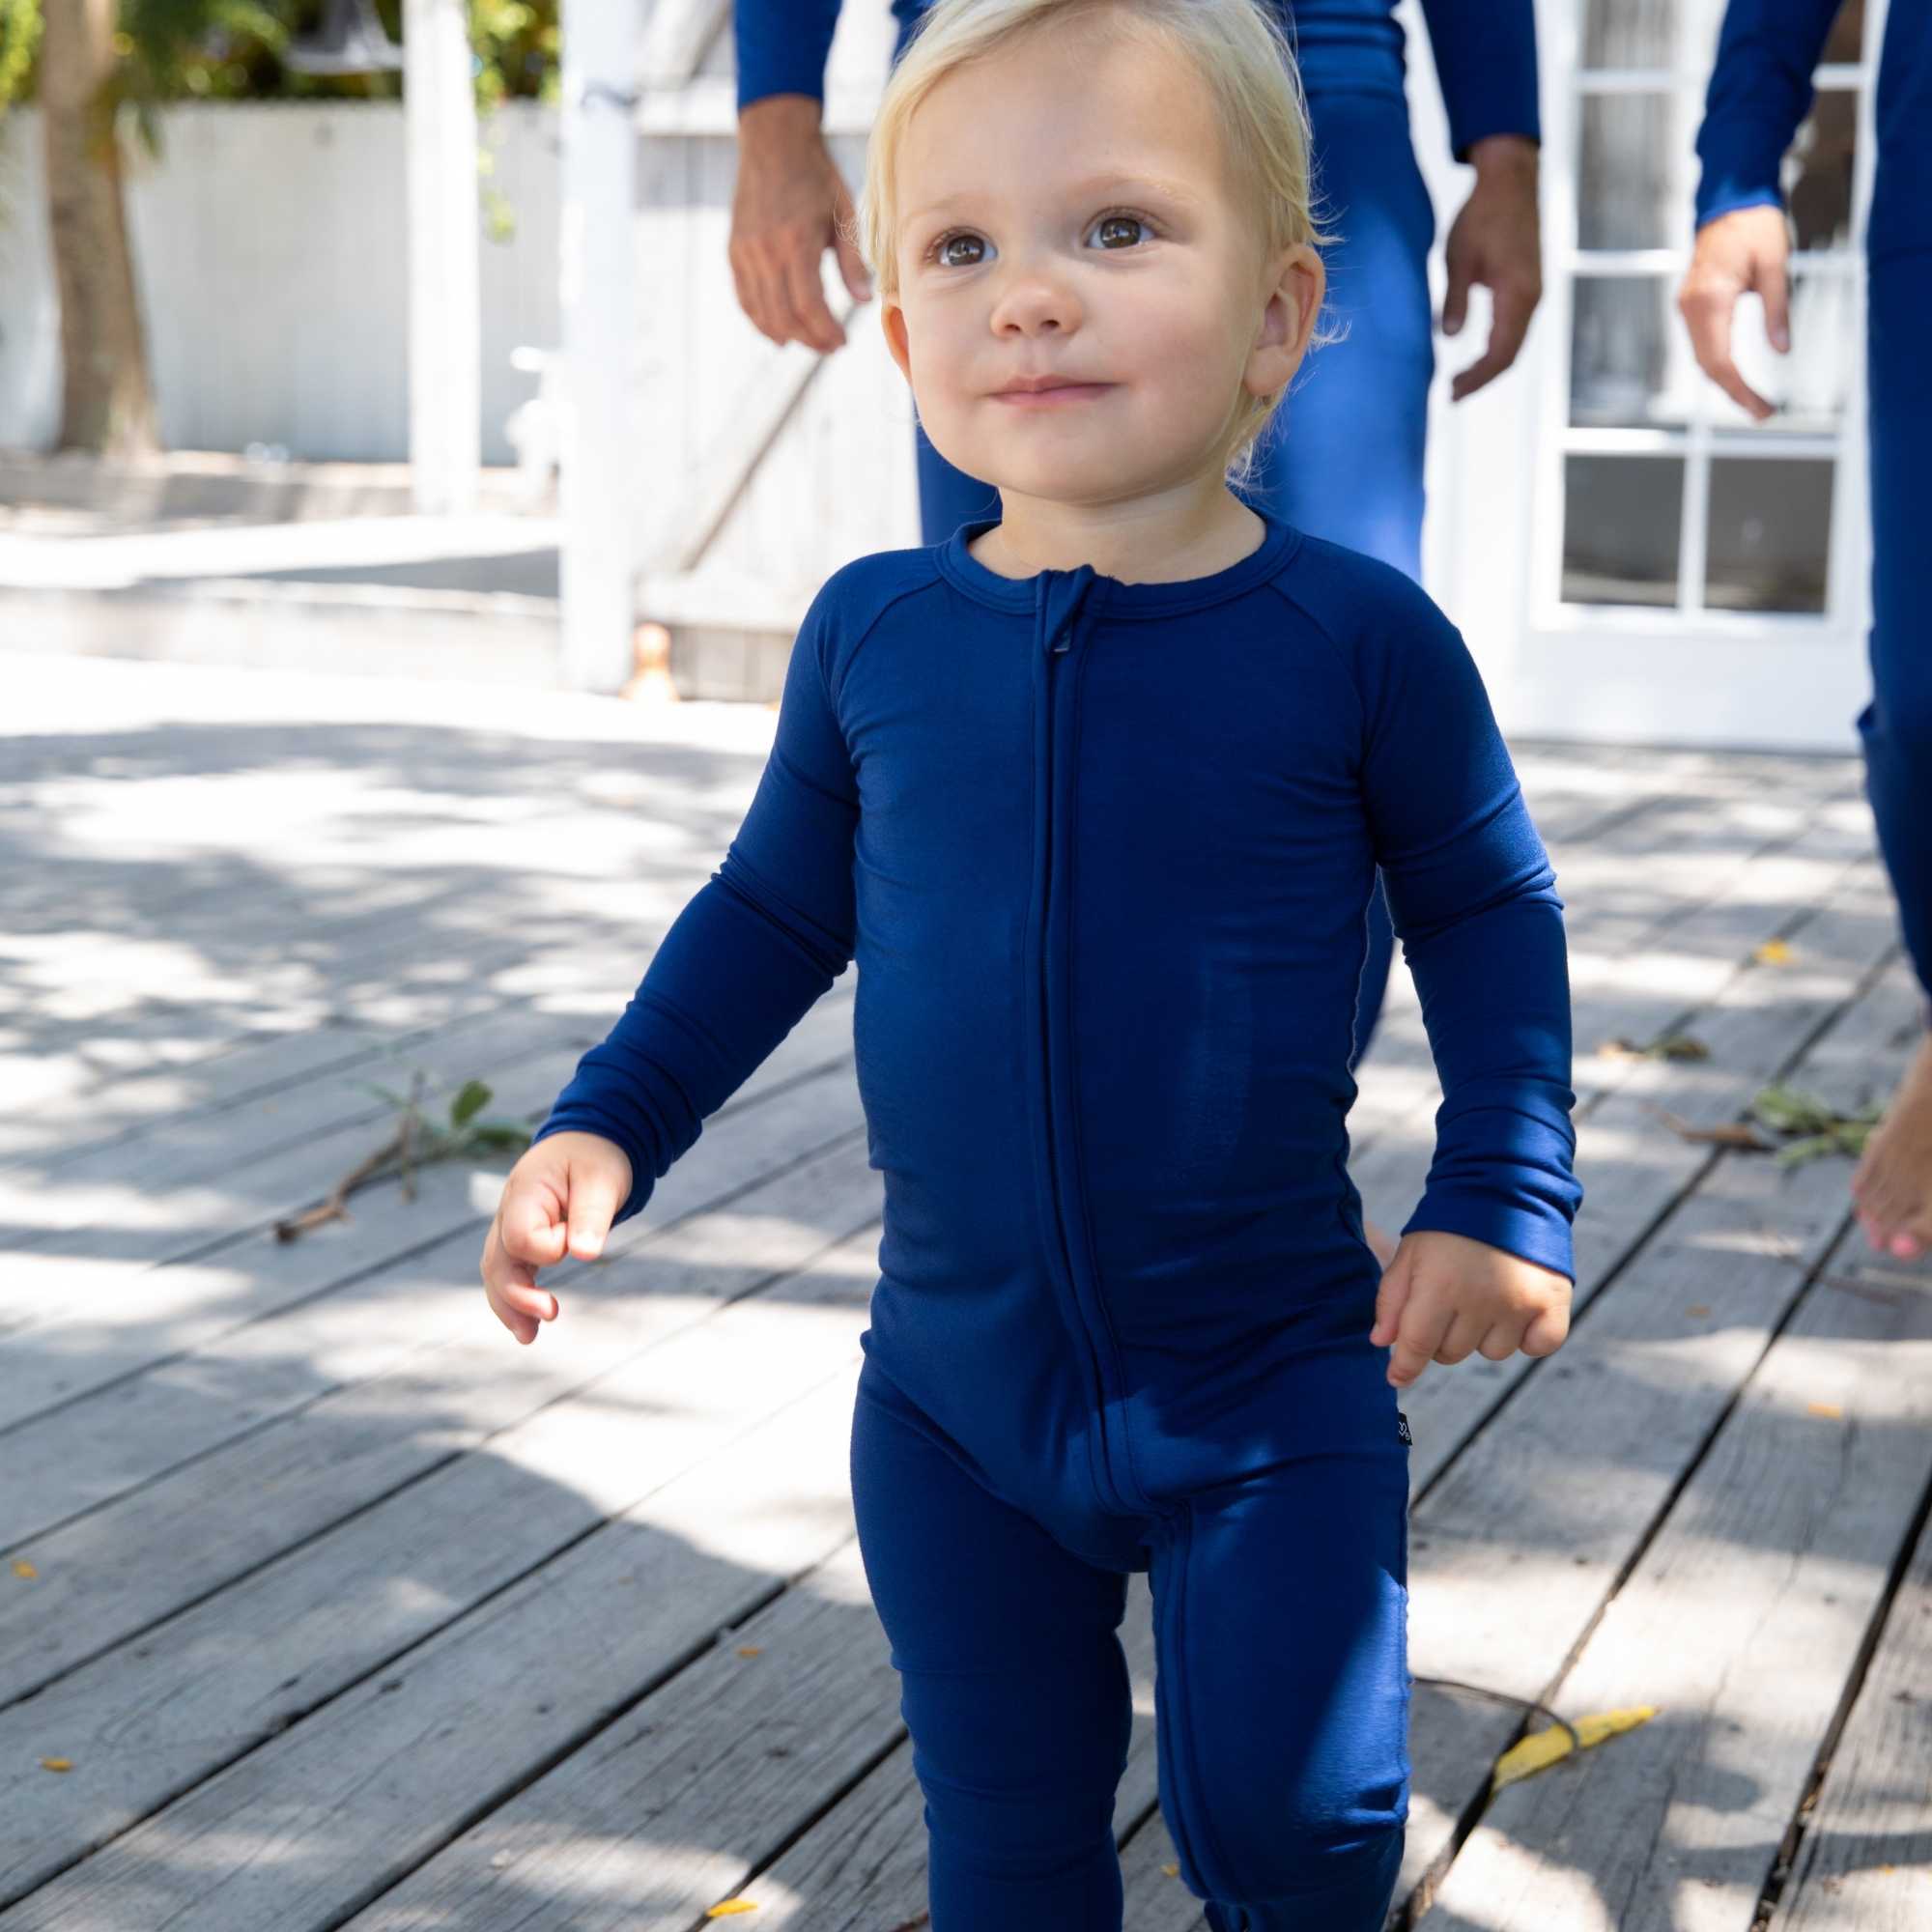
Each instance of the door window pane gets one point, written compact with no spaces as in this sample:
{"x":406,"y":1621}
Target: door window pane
{"x":1636,"y":170}
{"x":1625,"y":360}
{"x":1620,"y":523}
{"x":1769,"y":535}
{"x":1663,"y":33}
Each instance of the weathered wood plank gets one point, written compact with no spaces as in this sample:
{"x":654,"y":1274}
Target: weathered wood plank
{"x":169,"y":1193}
{"x":144,"y":1309}
{"x":1679,"y":944}
{"x":1743,"y":1621}
{"x":150,"y":1553}
{"x":1865,"y":1863}
{"x":1516,"y":1547}
{"x":658,"y":1372}
{"x":89,"y":1450}
{"x":316,"y":1822}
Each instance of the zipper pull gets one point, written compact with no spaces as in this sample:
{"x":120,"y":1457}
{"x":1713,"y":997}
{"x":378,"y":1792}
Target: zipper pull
{"x":1059,"y":644}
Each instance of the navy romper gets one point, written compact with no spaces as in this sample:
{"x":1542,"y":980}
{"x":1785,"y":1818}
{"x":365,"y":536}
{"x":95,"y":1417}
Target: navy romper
{"x":1102,"y":852}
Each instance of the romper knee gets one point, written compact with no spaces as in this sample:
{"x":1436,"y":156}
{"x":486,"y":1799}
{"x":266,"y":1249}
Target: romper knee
{"x":1347,"y":1891}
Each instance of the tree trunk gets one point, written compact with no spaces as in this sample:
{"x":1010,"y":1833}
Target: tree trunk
{"x":106,"y":403}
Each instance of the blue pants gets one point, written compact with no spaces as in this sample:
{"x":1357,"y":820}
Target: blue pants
{"x":1280,"y":1610}
{"x":1343,"y":455}
{"x":1896,"y":726}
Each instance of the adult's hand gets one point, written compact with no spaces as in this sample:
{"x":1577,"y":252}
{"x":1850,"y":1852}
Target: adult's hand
{"x":1748,"y":249}
{"x":789,"y":205}
{"x":1497,"y":240}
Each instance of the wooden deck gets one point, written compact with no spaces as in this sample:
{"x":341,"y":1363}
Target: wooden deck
{"x":345,"y":1611}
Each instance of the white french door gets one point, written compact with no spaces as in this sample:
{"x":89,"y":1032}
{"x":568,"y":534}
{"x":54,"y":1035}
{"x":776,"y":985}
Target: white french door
{"x":1692,"y":576}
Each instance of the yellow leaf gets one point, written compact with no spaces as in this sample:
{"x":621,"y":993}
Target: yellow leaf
{"x":1822,"y":1408}
{"x":1542,"y":1749}
{"x":1173,"y":1871}
{"x":56,"y":1764}
{"x":24,"y":1568}
{"x":1773,"y":953}
{"x":730,"y":1908}
{"x":750,"y":1649}
{"x":1700,"y":1309}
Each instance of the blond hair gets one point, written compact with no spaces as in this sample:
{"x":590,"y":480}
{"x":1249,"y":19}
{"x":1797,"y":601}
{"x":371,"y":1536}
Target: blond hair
{"x":1239,"y":51}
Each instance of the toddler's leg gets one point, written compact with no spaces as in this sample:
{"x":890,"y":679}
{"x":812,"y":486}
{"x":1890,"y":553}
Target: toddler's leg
{"x":1281,"y":1610}
{"x":1012,"y":1684}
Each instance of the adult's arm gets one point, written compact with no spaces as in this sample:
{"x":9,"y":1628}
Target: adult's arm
{"x":1486,"y":63}
{"x":1760,"y":89}
{"x":782,"y":46}
{"x":748,"y":955}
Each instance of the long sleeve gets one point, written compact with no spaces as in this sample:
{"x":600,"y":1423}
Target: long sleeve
{"x":782,"y":46}
{"x":746,"y":956}
{"x":1472,"y":897}
{"x":1485,"y":53}
{"x":1759,"y":90}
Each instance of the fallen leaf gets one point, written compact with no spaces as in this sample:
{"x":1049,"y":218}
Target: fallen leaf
{"x":22,"y":1567}
{"x":1542,"y":1749}
{"x":750,"y":1649}
{"x":1173,"y":1871}
{"x":1699,"y":1309}
{"x":1773,"y":953}
{"x":1672,"y":1046}
{"x":1822,"y":1408}
{"x":730,"y":1908}
{"x":56,"y":1764}
{"x":1732,"y":1134}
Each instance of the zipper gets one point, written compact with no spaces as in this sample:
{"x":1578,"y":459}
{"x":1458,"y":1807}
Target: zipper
{"x":1093,"y":1325}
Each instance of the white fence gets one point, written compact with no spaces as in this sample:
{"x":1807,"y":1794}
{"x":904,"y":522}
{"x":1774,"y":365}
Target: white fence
{"x":270,"y":248}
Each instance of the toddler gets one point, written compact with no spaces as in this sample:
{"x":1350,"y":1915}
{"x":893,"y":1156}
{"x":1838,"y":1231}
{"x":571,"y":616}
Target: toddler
{"x":1095,"y":794}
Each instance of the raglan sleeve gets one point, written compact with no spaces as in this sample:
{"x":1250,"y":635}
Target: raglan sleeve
{"x":1760,"y":89}
{"x":1485,"y":53}
{"x":782,"y":46}
{"x":1472,"y":897}
{"x":751,"y":950}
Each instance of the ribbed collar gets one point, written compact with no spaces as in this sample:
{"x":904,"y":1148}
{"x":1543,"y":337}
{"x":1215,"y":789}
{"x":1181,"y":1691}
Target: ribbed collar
{"x":1101,"y":593}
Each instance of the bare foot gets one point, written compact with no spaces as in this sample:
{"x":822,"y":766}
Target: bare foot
{"x":1381,"y":1239}
{"x":1893,"y":1182}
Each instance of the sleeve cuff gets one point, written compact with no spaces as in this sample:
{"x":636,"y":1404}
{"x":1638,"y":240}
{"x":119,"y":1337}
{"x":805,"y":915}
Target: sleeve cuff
{"x":1531,"y":1234}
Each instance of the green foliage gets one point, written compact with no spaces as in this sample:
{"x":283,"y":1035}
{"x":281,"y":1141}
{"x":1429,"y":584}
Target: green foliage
{"x":465,"y":1133}
{"x":230,"y":51}
{"x":1824,"y":1129}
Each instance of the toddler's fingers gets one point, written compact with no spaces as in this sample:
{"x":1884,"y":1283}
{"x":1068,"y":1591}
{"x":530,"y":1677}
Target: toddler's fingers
{"x":595,"y":1196}
{"x":512,"y":1284}
{"x":1458,"y":1344}
{"x":532,"y":1231}
{"x":1547,"y":1330}
{"x":1391,"y":1296}
{"x":1424,"y":1324}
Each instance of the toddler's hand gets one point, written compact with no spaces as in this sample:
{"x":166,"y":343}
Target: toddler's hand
{"x":570,"y":1180}
{"x":1445,"y":1296}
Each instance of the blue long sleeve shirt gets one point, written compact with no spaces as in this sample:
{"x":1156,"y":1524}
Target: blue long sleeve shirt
{"x":1760,"y":90}
{"x":1102,"y":852}
{"x":1484,"y":54}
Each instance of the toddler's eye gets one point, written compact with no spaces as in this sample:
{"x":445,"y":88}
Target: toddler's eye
{"x":1107,"y":221}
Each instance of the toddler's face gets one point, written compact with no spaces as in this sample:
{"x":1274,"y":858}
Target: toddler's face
{"x":1064,"y":211}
